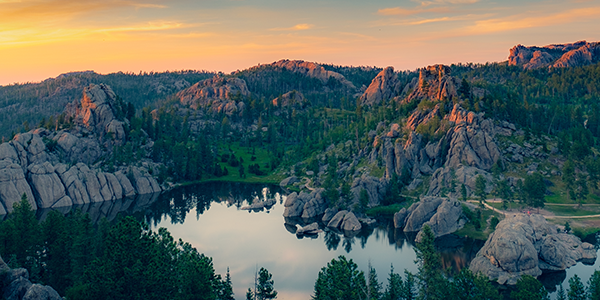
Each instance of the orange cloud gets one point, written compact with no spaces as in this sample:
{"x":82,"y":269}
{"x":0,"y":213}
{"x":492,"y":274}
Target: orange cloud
{"x":399,"y":11}
{"x":294,"y":28}
{"x":520,"y":22}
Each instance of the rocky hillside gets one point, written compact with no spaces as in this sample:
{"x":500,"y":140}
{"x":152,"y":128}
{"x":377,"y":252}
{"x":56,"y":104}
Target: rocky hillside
{"x":24,"y":106}
{"x":55,"y":168}
{"x":576,"y":54}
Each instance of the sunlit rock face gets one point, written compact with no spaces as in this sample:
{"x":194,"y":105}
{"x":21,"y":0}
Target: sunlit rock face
{"x":524,"y":244}
{"x":576,"y":54}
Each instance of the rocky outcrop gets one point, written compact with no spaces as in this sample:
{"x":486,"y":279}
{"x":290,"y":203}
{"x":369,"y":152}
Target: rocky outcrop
{"x":289,"y":181}
{"x":15,"y":285}
{"x":305,"y":205}
{"x":309,"y":69}
{"x":345,"y":220}
{"x":97,"y":112}
{"x":443,"y":178}
{"x":312,"y":228}
{"x":293,"y":99}
{"x":576,"y":54}
{"x":58,"y":175}
{"x":215,"y":94}
{"x":466,"y":145}
{"x":435,"y":83}
{"x":525,"y":244}
{"x":443,"y":216}
{"x":374,"y":186}
{"x":385,"y":86}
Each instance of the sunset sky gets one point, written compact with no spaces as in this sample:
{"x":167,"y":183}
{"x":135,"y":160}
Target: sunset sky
{"x":44,"y":38}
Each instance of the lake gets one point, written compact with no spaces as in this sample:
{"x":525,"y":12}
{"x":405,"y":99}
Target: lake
{"x":209,"y":216}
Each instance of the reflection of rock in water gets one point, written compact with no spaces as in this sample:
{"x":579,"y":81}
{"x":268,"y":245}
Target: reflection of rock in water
{"x":106,"y":209}
{"x":551,"y":280}
{"x":456,"y":252}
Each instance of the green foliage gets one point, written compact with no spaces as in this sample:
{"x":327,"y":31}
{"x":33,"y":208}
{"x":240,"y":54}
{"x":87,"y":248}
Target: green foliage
{"x":494,"y":222}
{"x":265,"y":289}
{"x":431,"y":282}
{"x":463,"y":192}
{"x":373,"y":285}
{"x":340,"y":279}
{"x":20,"y":236}
{"x":480,"y":184}
{"x":468,"y":286}
{"x":529,"y":288}
{"x":576,"y":289}
{"x":534,"y":189}
{"x":594,"y":285}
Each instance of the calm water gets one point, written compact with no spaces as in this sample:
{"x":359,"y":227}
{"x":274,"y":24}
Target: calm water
{"x":209,"y":216}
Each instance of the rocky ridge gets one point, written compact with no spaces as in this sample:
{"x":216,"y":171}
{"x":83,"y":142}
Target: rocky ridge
{"x":576,"y":54}
{"x":466,"y":148}
{"x":525,"y":244}
{"x":53,"y":167}
{"x":309,"y":69}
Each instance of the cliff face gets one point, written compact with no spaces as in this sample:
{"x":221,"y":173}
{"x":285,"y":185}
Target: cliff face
{"x":54,"y":168}
{"x":556,"y":56}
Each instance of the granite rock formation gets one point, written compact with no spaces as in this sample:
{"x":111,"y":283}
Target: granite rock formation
{"x":576,"y":54}
{"x":525,"y":244}
{"x":443,"y":216}
{"x":215,"y":94}
{"x":53,"y":168}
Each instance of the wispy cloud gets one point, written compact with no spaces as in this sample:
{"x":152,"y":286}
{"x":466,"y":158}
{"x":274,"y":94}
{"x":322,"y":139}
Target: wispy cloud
{"x":444,"y":2}
{"x":27,"y":9}
{"x":294,"y":28}
{"x":153,"y":26}
{"x":399,"y":11}
{"x":520,"y":22}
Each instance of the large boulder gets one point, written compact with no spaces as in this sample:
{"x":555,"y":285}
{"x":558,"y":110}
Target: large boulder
{"x":294,"y":204}
{"x":337,"y":219}
{"x":525,"y":244}
{"x":421,"y":212}
{"x":316,"y":205}
{"x":350,"y":223}
{"x":143,"y":182}
{"x":12,"y":186}
{"x":447,"y":219}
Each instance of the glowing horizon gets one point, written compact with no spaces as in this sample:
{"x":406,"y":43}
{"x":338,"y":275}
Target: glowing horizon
{"x":40,"y":39}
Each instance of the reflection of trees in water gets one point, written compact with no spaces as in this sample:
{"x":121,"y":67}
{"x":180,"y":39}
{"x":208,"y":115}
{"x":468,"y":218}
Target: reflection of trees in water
{"x":178,"y":202}
{"x":332,"y":240}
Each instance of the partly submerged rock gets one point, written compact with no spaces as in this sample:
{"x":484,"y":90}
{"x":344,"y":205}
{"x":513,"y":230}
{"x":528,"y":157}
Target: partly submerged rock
{"x":525,"y":244}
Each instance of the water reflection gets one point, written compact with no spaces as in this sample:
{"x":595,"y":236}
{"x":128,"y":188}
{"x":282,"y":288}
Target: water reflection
{"x":242,"y":240}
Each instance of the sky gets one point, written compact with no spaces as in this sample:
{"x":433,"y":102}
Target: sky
{"x":40,"y":39}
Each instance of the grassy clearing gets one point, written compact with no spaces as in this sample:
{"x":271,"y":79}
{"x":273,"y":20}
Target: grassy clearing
{"x":385,"y":210}
{"x":561,"y":210}
{"x":262,"y":158}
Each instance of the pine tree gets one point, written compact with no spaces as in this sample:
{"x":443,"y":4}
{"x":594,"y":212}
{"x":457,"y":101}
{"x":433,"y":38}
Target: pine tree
{"x":265,"y":289}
